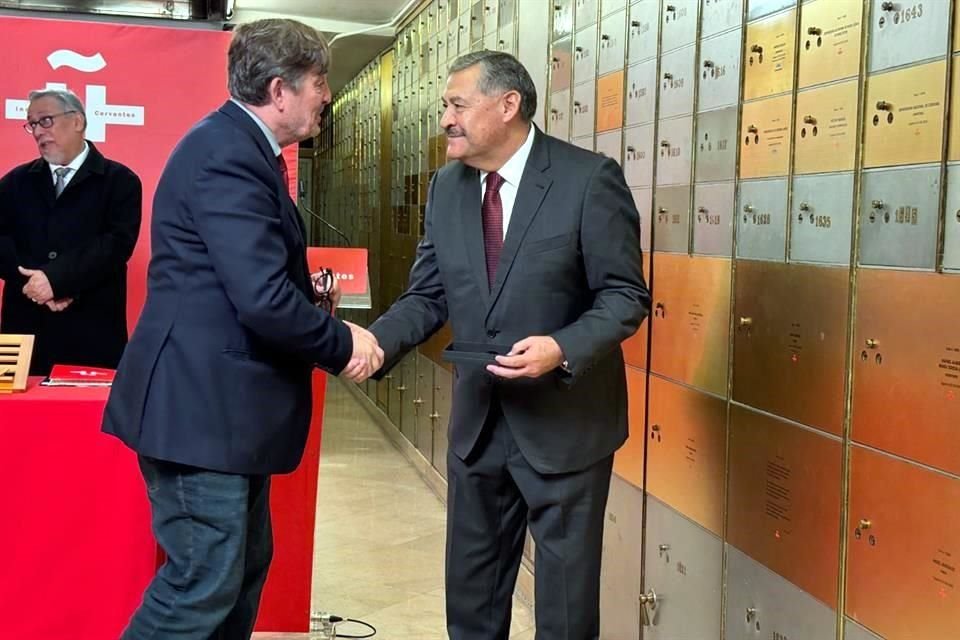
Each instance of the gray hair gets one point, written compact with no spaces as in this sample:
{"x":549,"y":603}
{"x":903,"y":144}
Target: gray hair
{"x":266,"y":49}
{"x":67,"y":99}
{"x":501,"y":72}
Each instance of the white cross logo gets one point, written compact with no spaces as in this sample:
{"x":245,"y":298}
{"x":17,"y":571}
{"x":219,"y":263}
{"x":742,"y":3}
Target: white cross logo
{"x":99,"y":113}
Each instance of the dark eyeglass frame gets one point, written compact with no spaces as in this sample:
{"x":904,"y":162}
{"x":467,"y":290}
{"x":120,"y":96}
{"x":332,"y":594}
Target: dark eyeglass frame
{"x":44,"y":122}
{"x":322,"y":287}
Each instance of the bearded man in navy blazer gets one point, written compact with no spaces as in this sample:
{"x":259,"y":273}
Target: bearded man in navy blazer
{"x":531,"y":243}
{"x":214,"y":389}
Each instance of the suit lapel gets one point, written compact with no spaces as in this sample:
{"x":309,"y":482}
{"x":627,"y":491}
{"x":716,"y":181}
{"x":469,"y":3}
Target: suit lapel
{"x":43,"y":182}
{"x":469,"y":192}
{"x":533,"y":188}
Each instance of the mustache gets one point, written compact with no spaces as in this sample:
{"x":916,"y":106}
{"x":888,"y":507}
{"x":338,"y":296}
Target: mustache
{"x":453,"y":132}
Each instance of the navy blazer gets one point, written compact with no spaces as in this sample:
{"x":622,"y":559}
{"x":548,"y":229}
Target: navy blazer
{"x":570,"y":268}
{"x":217,"y":373}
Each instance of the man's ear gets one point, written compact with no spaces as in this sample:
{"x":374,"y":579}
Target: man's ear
{"x":511,"y":105}
{"x":275,"y":92}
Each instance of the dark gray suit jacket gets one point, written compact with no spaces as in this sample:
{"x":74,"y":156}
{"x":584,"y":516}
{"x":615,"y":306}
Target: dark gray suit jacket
{"x":570,"y":268}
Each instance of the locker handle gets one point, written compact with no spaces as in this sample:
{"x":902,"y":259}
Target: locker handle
{"x":751,"y":614}
{"x":634,"y":23}
{"x":865,"y":524}
{"x":877,"y":204}
{"x":662,"y":210}
{"x":604,"y":37}
{"x":701,"y":209}
{"x":665,"y":143}
{"x":668,"y":76}
{"x":809,"y":120}
{"x":888,"y":6}
{"x":756,"y":48}
{"x":883,"y":105}
{"x":748,"y":208}
{"x":577,"y":49}
{"x":814,"y":31}
{"x":434,"y":416}
{"x":745,"y":322}
{"x":671,"y":8}
{"x":418,"y":401}
{"x":872,"y":343}
{"x":752,"y":128}
{"x":655,"y":428}
{"x":648,"y":603}
{"x":707,"y":64}
{"x":804,"y":206}
{"x":631,"y":149}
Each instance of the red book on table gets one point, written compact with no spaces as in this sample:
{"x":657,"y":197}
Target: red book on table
{"x":69,"y":375}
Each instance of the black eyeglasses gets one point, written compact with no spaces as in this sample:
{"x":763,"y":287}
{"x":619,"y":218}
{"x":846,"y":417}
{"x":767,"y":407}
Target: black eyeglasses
{"x":45,"y":122}
{"x":322,"y":286}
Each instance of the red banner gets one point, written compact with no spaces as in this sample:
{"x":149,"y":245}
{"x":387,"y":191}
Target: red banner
{"x":143,"y":88}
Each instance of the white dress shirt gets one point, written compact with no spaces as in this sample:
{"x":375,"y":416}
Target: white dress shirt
{"x":511,"y":172}
{"x":74,"y":166}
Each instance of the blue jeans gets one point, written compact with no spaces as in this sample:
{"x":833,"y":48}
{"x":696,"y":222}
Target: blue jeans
{"x":215,"y":530}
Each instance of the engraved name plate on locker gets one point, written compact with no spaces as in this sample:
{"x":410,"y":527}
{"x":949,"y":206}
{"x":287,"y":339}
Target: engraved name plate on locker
{"x":638,"y":156}
{"x":584,"y":98}
{"x":621,"y":566}
{"x":672,"y":219}
{"x":719,"y":16}
{"x":716,"y":157}
{"x":677,"y":80}
{"x":491,"y":8}
{"x":561,"y":64}
{"x":951,"y":224}
{"x":585,"y":54}
{"x":558,"y":120}
{"x":830,"y":36}
{"x":820,"y":220}
{"x":586,"y":12}
{"x":765,"y":133}
{"x":691,"y":320}
{"x":679,"y":23}
{"x":684,"y":565}
{"x":643,"y":200}
{"x":825,"y":129}
{"x":789,"y":342}
{"x":466,"y":34}
{"x":713,"y":219}
{"x":904,"y":116}
{"x":762,"y":219}
{"x":628,"y":460}
{"x":919,"y":347}
{"x":903,"y":532}
{"x":906,"y":31}
{"x":642,"y":29}
{"x":898,"y":217}
{"x":562,"y":18}
{"x":613,"y":40}
{"x":476,"y":22}
{"x":610,"y":101}
{"x":608,"y":144}
{"x":768,"y":58}
{"x":761,"y":605}
{"x":784,"y":501}
{"x":641,"y":92}
{"x":686,"y":450}
{"x":719,"y":71}
{"x":674,"y":151}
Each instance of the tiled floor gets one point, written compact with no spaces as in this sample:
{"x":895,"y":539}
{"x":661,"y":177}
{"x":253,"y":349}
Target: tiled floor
{"x":378,"y":554}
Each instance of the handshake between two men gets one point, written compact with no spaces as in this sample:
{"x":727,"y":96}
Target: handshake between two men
{"x":367,"y":355}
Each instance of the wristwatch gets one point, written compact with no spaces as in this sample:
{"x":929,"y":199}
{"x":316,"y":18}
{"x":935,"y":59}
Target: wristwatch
{"x":565,"y":365}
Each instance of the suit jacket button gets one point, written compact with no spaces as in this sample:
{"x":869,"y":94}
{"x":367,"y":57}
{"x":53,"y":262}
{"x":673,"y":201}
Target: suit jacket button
{"x":52,"y":255}
{"x":492,"y":333}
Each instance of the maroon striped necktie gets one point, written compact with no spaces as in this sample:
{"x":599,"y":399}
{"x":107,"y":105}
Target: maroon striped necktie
{"x":492,"y":212}
{"x":283,"y":170}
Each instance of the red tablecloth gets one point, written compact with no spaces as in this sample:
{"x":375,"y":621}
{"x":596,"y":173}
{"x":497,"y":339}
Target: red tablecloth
{"x":75,"y":522}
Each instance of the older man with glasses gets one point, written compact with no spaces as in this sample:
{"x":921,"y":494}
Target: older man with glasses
{"x":69,"y":221}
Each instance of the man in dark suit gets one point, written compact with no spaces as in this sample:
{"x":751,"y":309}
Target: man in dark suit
{"x":214,"y":390}
{"x":531,"y":243}
{"x":69,"y":221}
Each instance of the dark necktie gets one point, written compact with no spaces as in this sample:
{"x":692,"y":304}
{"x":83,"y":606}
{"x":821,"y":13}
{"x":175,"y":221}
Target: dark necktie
{"x":492,"y":212}
{"x":283,"y":170}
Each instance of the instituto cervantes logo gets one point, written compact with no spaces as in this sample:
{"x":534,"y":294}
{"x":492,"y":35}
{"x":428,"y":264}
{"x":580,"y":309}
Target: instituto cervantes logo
{"x":99,"y":112}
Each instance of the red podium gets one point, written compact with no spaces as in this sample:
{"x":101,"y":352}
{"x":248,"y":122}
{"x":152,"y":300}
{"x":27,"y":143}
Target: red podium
{"x":76,"y":522}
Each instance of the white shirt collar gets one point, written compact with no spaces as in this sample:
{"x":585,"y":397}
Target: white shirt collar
{"x":271,"y":139}
{"x":512,"y":169}
{"x":75,"y":164}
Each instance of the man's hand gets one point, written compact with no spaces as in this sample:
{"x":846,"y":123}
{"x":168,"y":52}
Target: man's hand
{"x":367,"y":355}
{"x":59,"y":305}
{"x":530,"y":358}
{"x":38,"y":287}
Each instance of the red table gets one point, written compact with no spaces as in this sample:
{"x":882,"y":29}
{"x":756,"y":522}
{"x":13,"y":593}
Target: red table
{"x":75,"y":523}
